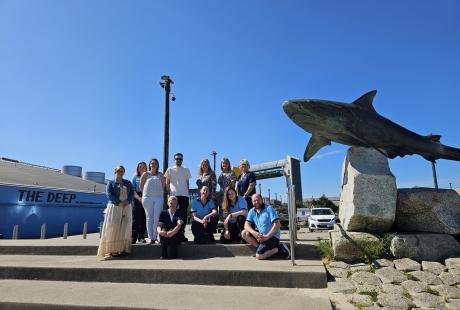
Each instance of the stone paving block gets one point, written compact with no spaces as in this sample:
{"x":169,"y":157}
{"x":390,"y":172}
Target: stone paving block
{"x":394,"y":301}
{"x":448,"y":292}
{"x":366,"y":288}
{"x":390,"y":275}
{"x":340,"y":301}
{"x":360,"y":267}
{"x":427,"y":277}
{"x":415,"y":286}
{"x":449,"y":278}
{"x":344,"y":286}
{"x":453,"y":304}
{"x":453,"y":263}
{"x":406,"y":265}
{"x":338,"y":272}
{"x":364,"y":277}
{"x":338,"y":264}
{"x":393,"y":289}
{"x":382,"y":262}
{"x":360,"y":300}
{"x":427,"y":300}
{"x":433,"y":267}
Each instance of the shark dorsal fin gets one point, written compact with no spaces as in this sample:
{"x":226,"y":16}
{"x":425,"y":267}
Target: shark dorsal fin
{"x":316,"y":142}
{"x":365,"y":101}
{"x":433,"y":138}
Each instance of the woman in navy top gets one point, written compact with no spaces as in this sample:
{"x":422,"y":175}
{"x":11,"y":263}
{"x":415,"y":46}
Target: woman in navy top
{"x":234,"y":209}
{"x":168,"y":229}
{"x":246,"y":183}
{"x":139,"y":220}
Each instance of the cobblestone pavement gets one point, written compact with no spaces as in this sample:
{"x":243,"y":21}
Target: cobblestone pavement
{"x":395,"y":284}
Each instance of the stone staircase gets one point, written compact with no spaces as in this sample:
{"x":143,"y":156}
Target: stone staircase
{"x":47,"y":274}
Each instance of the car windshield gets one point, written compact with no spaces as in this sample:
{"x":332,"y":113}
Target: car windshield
{"x":322,"y":212}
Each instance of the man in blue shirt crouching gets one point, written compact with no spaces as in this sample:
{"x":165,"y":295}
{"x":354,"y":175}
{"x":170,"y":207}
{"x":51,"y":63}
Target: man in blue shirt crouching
{"x":267,"y":239}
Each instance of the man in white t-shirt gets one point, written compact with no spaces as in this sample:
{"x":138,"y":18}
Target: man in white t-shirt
{"x":177,"y":184}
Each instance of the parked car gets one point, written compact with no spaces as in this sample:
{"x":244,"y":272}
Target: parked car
{"x":284,"y":221}
{"x":321,"y":218}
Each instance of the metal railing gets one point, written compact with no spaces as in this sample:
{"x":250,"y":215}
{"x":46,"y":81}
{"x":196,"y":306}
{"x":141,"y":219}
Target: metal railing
{"x":292,"y":222}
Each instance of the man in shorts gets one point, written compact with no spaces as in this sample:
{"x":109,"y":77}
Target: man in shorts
{"x":267,"y":238}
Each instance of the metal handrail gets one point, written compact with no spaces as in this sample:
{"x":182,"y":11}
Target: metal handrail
{"x":292,"y":222}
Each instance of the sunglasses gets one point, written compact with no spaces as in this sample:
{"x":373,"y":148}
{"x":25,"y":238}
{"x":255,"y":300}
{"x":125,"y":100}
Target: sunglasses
{"x":177,"y":158}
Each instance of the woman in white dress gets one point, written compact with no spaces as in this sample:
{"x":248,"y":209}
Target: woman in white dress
{"x":116,"y":231}
{"x":152,"y":185}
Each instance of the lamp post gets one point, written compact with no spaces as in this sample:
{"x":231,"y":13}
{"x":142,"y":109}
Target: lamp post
{"x":214,"y":153}
{"x":166,"y":84}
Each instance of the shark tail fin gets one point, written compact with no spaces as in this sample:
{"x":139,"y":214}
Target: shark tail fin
{"x":450,"y":153}
{"x":433,"y":138}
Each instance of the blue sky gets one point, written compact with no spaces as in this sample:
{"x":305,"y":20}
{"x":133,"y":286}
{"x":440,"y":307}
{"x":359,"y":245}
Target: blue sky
{"x":79,"y":80}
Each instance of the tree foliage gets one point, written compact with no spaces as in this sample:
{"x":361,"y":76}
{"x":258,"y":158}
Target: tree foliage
{"x":324,"y":202}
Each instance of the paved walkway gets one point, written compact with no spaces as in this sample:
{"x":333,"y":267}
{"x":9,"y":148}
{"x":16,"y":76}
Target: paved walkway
{"x":154,"y":296}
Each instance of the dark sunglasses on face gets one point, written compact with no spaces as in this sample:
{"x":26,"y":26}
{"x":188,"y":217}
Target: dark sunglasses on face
{"x":177,"y":158}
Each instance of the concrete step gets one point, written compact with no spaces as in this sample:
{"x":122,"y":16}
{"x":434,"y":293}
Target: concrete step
{"x":232,"y":271}
{"x":51,"y":295}
{"x":144,"y":251}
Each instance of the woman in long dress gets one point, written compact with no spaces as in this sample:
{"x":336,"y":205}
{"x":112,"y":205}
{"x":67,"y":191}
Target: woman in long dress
{"x":116,"y":231}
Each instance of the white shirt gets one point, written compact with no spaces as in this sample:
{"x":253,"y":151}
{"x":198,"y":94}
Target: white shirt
{"x":178,"y":177}
{"x":153,"y":186}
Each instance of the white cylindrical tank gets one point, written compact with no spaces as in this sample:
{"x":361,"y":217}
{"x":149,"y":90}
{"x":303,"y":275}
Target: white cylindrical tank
{"x":98,"y":177}
{"x":72,"y":170}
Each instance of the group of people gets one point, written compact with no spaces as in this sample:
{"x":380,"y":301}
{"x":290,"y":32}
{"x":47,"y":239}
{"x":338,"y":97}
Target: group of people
{"x":136,"y":207}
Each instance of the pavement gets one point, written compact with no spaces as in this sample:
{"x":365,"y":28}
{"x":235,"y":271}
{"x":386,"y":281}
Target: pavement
{"x":45,"y":294}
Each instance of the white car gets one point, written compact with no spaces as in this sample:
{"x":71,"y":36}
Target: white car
{"x":321,"y":218}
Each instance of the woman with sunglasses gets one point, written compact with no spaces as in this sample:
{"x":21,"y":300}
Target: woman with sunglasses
{"x":116,"y":231}
{"x":152,"y":185}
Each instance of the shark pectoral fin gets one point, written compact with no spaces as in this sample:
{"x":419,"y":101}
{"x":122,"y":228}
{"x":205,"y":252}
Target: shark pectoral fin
{"x":365,"y":101}
{"x":433,"y":138}
{"x":316,"y":142}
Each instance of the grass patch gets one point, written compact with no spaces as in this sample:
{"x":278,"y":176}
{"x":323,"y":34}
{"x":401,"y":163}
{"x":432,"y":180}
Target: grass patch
{"x":371,"y":294}
{"x":372,"y":250}
{"x":324,"y":247}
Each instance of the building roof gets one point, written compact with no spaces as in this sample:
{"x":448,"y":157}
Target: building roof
{"x":19,"y":173}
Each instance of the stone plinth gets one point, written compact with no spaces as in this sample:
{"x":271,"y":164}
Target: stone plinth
{"x":424,"y":246}
{"x":428,"y":210}
{"x":368,"y":197}
{"x":345,"y":245}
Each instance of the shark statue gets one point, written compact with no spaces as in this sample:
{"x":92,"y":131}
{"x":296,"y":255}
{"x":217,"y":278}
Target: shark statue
{"x":358,"y":124}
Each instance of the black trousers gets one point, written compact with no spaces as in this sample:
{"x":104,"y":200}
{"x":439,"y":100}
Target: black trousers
{"x":183,"y":202}
{"x":234,"y":230}
{"x":169,"y":246}
{"x":139,"y":220}
{"x":204,"y":235}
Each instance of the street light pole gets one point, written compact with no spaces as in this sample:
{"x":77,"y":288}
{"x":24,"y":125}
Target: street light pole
{"x":214,"y":153}
{"x":166,"y":84}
